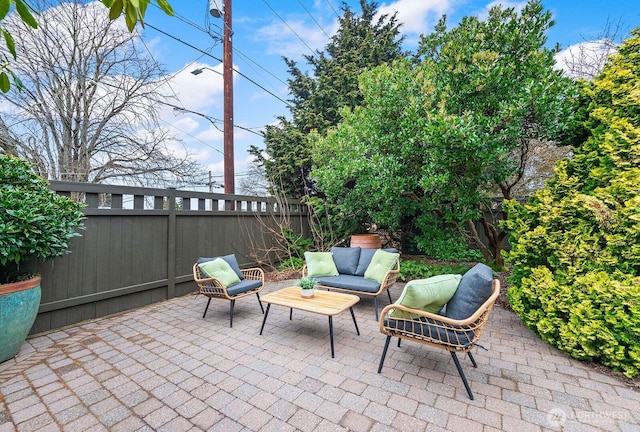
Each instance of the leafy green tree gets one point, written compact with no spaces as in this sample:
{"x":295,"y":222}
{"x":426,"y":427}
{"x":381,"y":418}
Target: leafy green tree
{"x":435,"y":141}
{"x":360,"y":43}
{"x":576,"y":244}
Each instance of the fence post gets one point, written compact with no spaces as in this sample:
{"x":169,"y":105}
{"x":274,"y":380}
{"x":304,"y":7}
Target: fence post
{"x":171,"y":244}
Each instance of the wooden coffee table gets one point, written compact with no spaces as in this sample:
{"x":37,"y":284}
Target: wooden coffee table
{"x":323,"y":302}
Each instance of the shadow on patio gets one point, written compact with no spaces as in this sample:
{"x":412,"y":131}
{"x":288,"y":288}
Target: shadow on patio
{"x":163,"y":367}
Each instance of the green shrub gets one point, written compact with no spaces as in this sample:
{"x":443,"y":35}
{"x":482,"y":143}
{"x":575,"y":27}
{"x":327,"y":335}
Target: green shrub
{"x":419,"y":268}
{"x":34,"y":221}
{"x":575,"y":247}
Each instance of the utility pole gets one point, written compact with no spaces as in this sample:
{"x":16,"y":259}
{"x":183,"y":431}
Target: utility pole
{"x":227,"y":74}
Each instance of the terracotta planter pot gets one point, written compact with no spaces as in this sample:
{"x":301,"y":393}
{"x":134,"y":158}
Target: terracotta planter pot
{"x":19,"y":303}
{"x":366,"y":241}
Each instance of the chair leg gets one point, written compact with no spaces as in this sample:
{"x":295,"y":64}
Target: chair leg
{"x":464,"y":378}
{"x":231,"y":313}
{"x":207,"y":308}
{"x":475,"y":365}
{"x":375,"y":306}
{"x":389,"y":294}
{"x":258,"y":295}
{"x":384,"y":353}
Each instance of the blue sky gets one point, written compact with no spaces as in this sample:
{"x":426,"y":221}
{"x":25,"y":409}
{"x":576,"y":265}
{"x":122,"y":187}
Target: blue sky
{"x":266,"y":30}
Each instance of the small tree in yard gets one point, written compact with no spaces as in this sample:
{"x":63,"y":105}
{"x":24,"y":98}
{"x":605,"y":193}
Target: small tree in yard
{"x":576,"y":244}
{"x":433,"y":142}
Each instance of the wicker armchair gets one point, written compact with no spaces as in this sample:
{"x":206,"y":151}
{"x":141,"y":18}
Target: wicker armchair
{"x":211,"y":287}
{"x":455,"y":336}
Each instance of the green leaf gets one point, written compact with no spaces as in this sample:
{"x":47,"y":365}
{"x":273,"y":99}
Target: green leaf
{"x":107,"y":3}
{"x":131,"y":17}
{"x":5,"y":6}
{"x":116,"y":10}
{"x":5,"y":85}
{"x":25,"y":14}
{"x":166,"y":7}
{"x":11,"y":45}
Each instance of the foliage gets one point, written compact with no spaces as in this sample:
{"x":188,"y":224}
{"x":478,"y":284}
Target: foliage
{"x":307,"y":282}
{"x":576,"y":244}
{"x":134,"y":10}
{"x":420,"y":268}
{"x":438,"y":139}
{"x":292,"y":263}
{"x":34,"y":221}
{"x":24,"y":12}
{"x":360,"y":42}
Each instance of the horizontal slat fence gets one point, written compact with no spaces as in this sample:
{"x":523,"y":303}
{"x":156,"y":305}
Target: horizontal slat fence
{"x":139,"y":245}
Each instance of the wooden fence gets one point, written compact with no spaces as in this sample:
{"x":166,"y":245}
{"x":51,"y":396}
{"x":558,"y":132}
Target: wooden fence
{"x":139,"y":245}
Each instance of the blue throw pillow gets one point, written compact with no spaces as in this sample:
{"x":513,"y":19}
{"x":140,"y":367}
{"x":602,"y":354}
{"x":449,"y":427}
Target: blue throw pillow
{"x":346,"y":259}
{"x":474,"y":289}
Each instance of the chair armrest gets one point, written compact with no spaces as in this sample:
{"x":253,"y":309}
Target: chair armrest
{"x":253,"y":274}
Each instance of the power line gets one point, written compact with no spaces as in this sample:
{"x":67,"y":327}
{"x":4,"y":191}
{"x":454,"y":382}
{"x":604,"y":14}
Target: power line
{"x":289,"y":27}
{"x":219,"y":60}
{"x":314,"y":20}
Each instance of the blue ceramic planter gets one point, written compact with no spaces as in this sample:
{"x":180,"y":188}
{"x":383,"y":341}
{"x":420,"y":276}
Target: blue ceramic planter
{"x":19,"y":303}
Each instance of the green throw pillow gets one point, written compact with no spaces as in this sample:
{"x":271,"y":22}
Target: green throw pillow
{"x":429,"y":295}
{"x":221,"y":270}
{"x":380,"y":264}
{"x":320,"y":264}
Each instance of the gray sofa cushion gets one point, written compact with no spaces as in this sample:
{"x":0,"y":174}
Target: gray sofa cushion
{"x":474,"y":289}
{"x":230,"y":259}
{"x":365,"y":259}
{"x":355,"y":283}
{"x":346,"y":259}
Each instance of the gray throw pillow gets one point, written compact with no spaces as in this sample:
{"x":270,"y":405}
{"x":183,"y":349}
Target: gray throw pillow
{"x":474,"y":289}
{"x":346,"y":259}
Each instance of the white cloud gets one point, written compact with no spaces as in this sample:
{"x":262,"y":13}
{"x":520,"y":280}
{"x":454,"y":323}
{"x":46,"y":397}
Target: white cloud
{"x":585,"y":60}
{"x":417,"y":16}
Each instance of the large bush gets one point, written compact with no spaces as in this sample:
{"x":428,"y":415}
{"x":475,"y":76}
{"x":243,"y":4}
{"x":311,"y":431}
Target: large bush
{"x":576,"y":244}
{"x":34,"y":221}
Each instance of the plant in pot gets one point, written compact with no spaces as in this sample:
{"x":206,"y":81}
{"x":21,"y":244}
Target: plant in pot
{"x":307,"y":286}
{"x":34,"y":223}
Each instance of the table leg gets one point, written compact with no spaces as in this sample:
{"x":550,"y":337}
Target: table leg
{"x":264,"y":320}
{"x":290,"y":313}
{"x":331,"y":334}
{"x":354,"y":320}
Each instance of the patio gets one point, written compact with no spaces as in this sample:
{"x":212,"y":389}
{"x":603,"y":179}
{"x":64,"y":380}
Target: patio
{"x":163,"y":367}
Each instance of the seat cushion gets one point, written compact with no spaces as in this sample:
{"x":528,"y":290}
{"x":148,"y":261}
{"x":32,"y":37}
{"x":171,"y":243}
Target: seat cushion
{"x":230,"y":259}
{"x":474,"y":289}
{"x":346,"y":259}
{"x":320,"y":264}
{"x":437,"y":333}
{"x":355,"y":283}
{"x":430,"y":294}
{"x":380,"y":264}
{"x":221,"y":270}
{"x":243,"y":286}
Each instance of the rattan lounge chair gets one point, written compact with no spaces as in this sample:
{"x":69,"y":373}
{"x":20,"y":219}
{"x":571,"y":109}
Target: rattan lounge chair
{"x":453,"y":335}
{"x":252,"y":283}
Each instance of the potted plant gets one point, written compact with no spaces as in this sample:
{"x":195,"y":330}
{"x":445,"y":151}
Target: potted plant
{"x":307,"y":285}
{"x":34,"y":223}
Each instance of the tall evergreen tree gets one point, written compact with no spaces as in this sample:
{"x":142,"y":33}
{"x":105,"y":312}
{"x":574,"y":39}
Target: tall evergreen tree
{"x":361,"y":42}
